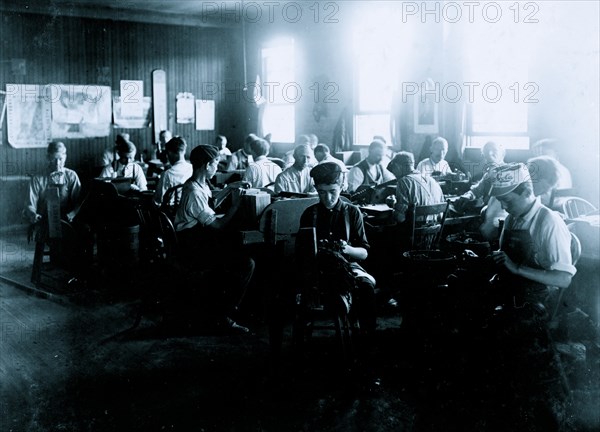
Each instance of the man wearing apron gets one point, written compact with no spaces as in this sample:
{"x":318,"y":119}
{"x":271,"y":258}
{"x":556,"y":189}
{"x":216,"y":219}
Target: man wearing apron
{"x":535,"y":243}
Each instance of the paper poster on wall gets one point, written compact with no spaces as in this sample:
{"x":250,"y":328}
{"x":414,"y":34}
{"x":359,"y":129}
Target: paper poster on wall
{"x":132,"y":122}
{"x":132,"y":98}
{"x":185,"y":108}
{"x":2,"y":113}
{"x":79,"y":111}
{"x":205,"y":114}
{"x":28,"y":116}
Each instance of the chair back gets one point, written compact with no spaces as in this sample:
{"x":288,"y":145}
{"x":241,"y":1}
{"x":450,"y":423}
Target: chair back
{"x":168,"y":236}
{"x":572,"y":207}
{"x":171,"y":200}
{"x":281,"y":220}
{"x":426,"y":233}
{"x":575,"y":248}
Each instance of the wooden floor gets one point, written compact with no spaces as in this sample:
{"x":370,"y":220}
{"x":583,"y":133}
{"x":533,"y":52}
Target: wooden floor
{"x":71,"y":365}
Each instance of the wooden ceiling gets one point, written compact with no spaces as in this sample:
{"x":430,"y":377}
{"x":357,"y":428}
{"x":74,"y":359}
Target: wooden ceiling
{"x":178,"y":12}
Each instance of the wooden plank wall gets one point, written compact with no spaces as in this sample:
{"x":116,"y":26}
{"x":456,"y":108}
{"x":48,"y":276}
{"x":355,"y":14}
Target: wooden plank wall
{"x":67,"y":50}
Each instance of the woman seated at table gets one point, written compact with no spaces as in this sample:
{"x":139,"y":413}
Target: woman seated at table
{"x":125,"y":165}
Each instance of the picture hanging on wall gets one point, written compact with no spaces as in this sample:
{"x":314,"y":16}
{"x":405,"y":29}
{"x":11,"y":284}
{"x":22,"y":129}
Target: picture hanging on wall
{"x":426,"y":109}
{"x":28,"y":116}
{"x":131,"y":121}
{"x":79,"y":111}
{"x":205,"y":114}
{"x":185,"y":108}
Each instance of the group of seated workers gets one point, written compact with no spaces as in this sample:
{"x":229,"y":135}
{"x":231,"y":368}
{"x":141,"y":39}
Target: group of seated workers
{"x":534,"y":244}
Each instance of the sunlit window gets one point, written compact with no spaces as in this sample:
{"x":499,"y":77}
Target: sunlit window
{"x":378,"y":43}
{"x":280,"y":90}
{"x":498,"y":71}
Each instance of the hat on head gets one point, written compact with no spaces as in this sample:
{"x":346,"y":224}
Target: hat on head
{"x":326,"y":173}
{"x":124,"y":145}
{"x":505,"y":179}
{"x":203,"y":154}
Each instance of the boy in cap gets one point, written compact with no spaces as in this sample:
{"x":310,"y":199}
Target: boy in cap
{"x":203,"y":240}
{"x":125,"y":165}
{"x":339,"y":224}
{"x":535,"y":251}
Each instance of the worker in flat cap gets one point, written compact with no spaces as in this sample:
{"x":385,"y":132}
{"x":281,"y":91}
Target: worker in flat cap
{"x":341,"y":243}
{"x":124,"y":165}
{"x":204,"y":241}
{"x":535,"y":243}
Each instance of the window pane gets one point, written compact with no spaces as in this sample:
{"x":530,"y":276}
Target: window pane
{"x":508,"y":142}
{"x":367,"y":126}
{"x":503,"y":116}
{"x":279,"y":121}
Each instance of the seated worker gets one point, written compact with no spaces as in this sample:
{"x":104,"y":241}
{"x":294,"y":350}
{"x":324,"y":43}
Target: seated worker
{"x":221,"y":145}
{"x":296,"y":178}
{"x":288,"y":158}
{"x":55,"y":175}
{"x":535,"y":243}
{"x":242,"y":158}
{"x":548,"y":147}
{"x":338,"y":223}
{"x":74,"y":250}
{"x":435,"y":164}
{"x":161,"y":152}
{"x":545,"y":174}
{"x":479,"y":194}
{"x":369,"y":171}
{"x":323,"y":155}
{"x":205,"y":243}
{"x":180,"y":170}
{"x":412,"y":187}
{"x":261,"y":172}
{"x":125,"y":165}
{"x":544,"y":177}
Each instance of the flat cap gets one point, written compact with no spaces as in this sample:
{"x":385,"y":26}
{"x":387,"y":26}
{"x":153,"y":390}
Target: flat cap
{"x":326,"y":173}
{"x":203,"y":154}
{"x":505,"y":179}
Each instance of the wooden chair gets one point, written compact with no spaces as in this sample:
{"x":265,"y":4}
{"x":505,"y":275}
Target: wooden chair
{"x":575,"y":255}
{"x":426,"y":231}
{"x":572,"y":207}
{"x":57,"y":250}
{"x":171,"y":200}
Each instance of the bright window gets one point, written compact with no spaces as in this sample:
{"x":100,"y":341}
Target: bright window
{"x":280,"y":90}
{"x":378,"y":43}
{"x":498,"y":70}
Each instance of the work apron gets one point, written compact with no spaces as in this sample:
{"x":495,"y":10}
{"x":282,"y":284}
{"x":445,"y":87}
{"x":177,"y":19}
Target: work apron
{"x":520,"y":248}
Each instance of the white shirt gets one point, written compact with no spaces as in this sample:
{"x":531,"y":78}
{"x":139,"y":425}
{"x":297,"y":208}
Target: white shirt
{"x":176,"y":175}
{"x":261,"y":172}
{"x":427,"y":167}
{"x":194,"y":208}
{"x":132,"y":170}
{"x":550,"y":236}
{"x":295,"y":180}
{"x":356,"y":177}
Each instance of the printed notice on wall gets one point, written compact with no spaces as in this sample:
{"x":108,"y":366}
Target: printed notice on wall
{"x":185,"y":108}
{"x":132,"y":98}
{"x":205,"y":114}
{"x":28,"y":115}
{"x":131,"y":122}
